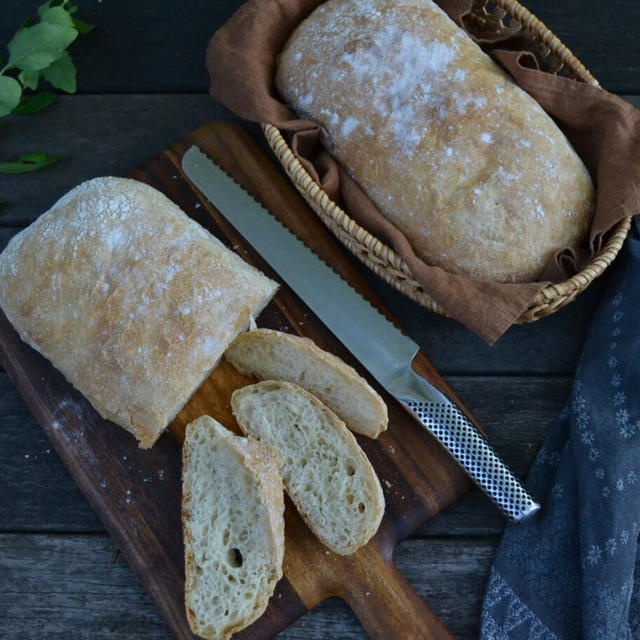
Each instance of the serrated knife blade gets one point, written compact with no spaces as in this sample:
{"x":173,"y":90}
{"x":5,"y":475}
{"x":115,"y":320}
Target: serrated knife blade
{"x":381,"y":348}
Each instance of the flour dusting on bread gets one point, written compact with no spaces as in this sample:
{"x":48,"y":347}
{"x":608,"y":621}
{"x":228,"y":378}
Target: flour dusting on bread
{"x":448,"y":147}
{"x":129,"y":298}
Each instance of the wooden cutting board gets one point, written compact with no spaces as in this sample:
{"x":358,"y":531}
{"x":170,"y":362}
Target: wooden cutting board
{"x":136,"y":493}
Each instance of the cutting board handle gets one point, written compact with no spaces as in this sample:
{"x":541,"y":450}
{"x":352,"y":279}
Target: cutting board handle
{"x":385,"y":603}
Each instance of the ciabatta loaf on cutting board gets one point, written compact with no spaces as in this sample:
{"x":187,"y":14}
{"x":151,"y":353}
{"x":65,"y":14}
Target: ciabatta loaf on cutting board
{"x":233,"y":524}
{"x":275,"y":355}
{"x":129,"y":298}
{"x":460,"y":159}
{"x":325,"y":472}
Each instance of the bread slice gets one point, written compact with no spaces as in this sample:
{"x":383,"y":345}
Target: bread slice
{"x":325,"y":472}
{"x":274,"y":355}
{"x":233,"y":525}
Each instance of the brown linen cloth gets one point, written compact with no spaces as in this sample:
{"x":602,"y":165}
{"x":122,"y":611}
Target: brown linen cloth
{"x":604,"y":130}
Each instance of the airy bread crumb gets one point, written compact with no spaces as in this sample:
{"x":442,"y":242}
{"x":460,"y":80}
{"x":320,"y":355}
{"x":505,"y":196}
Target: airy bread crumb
{"x":233,"y":525}
{"x":325,"y":472}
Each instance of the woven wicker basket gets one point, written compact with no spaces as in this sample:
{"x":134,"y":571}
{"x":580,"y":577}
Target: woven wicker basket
{"x":496,"y":15}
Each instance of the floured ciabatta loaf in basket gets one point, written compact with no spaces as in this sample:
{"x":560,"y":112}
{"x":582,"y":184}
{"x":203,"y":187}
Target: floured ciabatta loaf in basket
{"x":460,"y":159}
{"x":129,"y":298}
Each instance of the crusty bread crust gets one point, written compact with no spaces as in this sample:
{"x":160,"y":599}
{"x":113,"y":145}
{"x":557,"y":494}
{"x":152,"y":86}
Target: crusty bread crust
{"x":129,"y":298}
{"x":327,"y":458}
{"x":460,"y":159}
{"x":263,"y":466}
{"x":276,"y":355}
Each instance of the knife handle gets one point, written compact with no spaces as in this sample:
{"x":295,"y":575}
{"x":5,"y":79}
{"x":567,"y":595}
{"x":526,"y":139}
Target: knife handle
{"x":475,"y":455}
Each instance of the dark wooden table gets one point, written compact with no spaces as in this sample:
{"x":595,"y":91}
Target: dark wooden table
{"x":142,"y":85}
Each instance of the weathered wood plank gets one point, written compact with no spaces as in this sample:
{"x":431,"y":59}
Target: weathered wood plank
{"x":74,"y":586}
{"x":40,"y":494}
{"x":61,"y":587}
{"x":143,"y":47}
{"x":516,"y":413}
{"x":100,"y":135}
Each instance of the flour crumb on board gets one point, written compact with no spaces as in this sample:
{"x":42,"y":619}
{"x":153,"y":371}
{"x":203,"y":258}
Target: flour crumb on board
{"x":387,"y":484}
{"x":391,"y":449}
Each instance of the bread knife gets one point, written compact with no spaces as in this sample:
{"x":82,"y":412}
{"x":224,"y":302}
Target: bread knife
{"x":381,"y":348}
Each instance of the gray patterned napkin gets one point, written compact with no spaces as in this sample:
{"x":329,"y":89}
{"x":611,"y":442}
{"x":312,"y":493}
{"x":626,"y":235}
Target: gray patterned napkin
{"x":571,"y":571}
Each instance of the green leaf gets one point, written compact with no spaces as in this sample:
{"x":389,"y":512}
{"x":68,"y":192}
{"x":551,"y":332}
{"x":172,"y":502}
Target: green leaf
{"x":35,"y":48}
{"x":10,"y":92}
{"x":29,"y":162}
{"x":55,"y":15}
{"x":35,"y":103}
{"x":82,"y":27}
{"x":62,"y":74}
{"x":29,"y":79}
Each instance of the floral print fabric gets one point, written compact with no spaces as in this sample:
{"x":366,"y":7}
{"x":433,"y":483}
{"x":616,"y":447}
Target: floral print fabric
{"x":569,"y":573}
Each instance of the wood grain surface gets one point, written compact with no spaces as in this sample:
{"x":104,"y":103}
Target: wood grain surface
{"x":101,"y":575}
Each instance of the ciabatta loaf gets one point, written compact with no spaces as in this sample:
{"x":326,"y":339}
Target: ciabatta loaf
{"x":460,"y":159}
{"x":233,"y":524}
{"x":131,"y":299}
{"x":325,"y":472}
{"x":274,"y":355}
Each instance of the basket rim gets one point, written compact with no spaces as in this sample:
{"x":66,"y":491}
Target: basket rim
{"x":384,"y":261}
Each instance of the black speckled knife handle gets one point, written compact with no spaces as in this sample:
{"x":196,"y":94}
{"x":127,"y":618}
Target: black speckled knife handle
{"x":475,"y":455}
